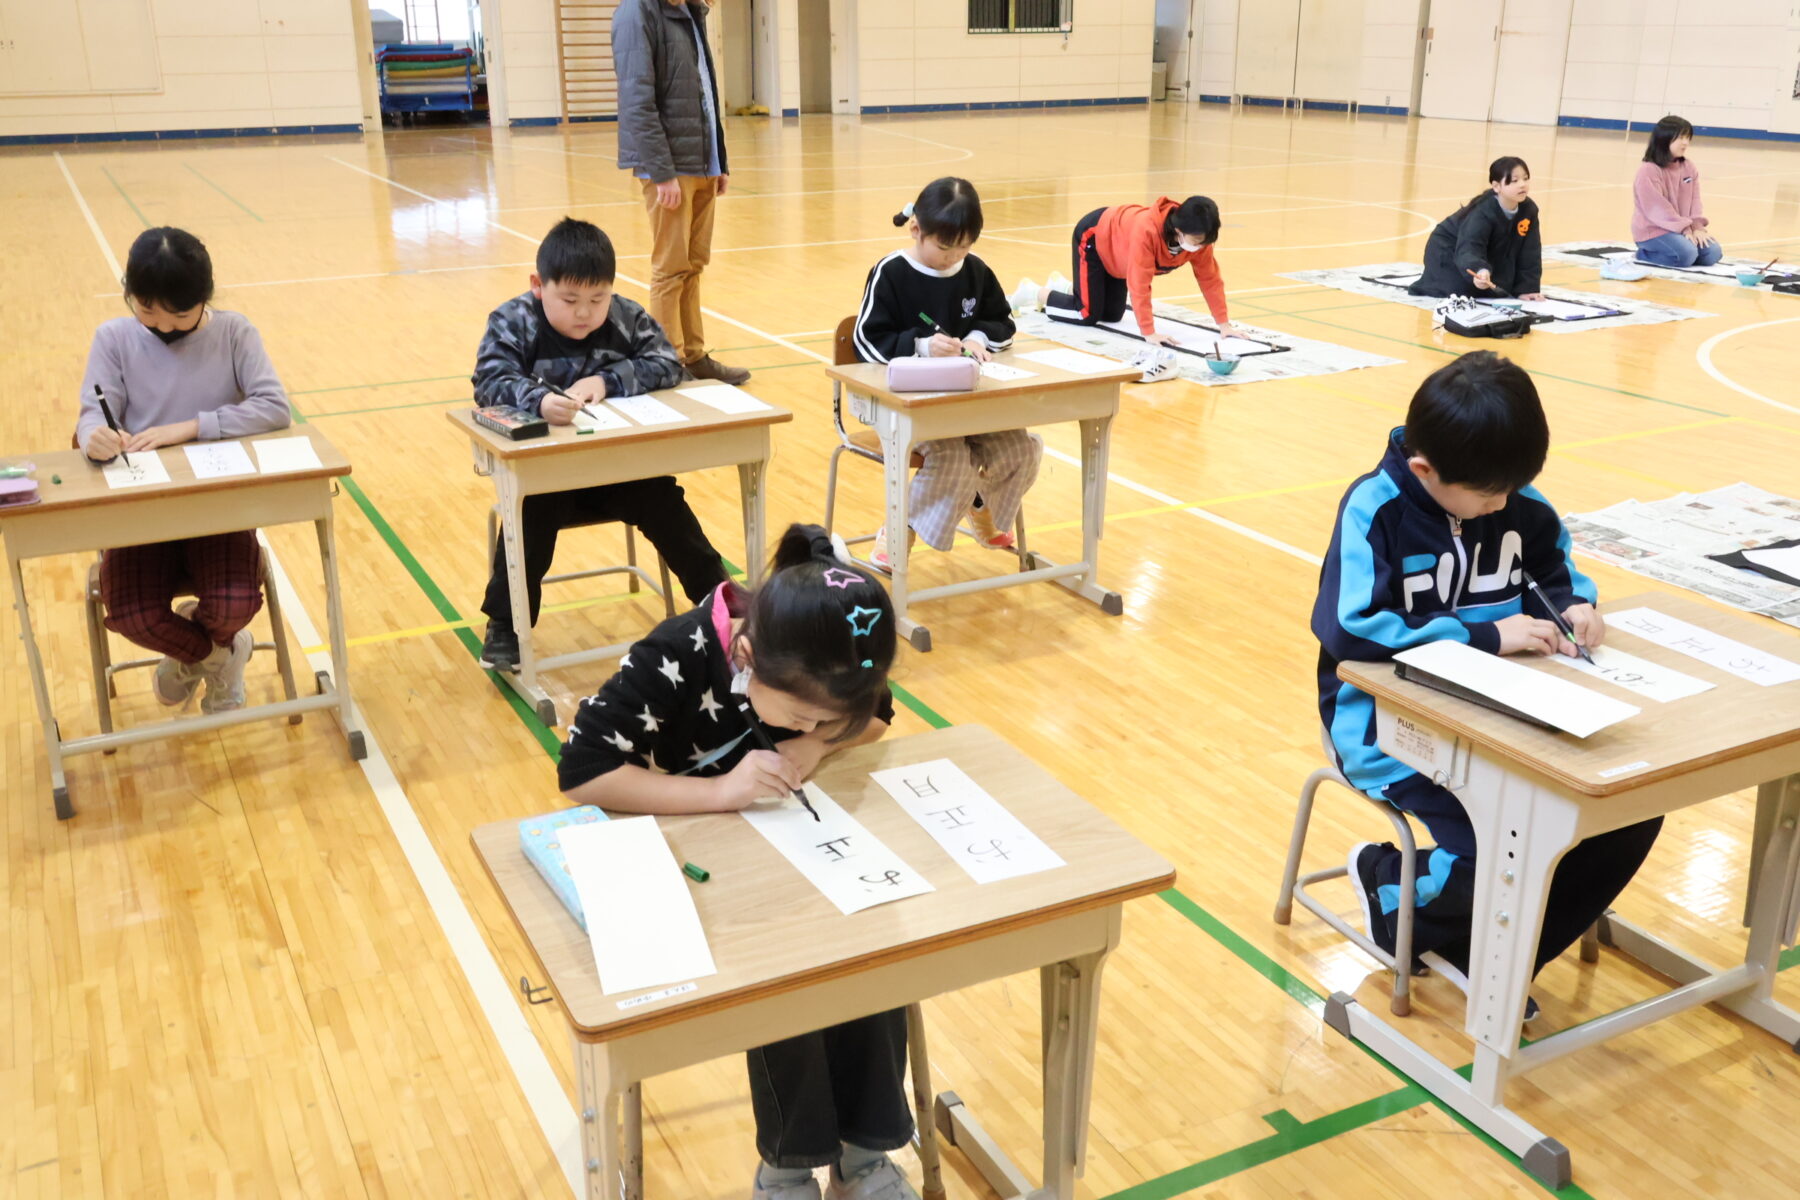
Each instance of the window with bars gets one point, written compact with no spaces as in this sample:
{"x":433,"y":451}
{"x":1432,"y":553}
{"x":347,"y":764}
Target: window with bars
{"x":1021,"y":16}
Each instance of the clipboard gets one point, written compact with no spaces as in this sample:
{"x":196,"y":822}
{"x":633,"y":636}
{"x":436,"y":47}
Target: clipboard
{"x":1438,"y":683}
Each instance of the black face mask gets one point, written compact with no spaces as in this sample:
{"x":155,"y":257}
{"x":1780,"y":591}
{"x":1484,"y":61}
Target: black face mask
{"x":170,"y":336}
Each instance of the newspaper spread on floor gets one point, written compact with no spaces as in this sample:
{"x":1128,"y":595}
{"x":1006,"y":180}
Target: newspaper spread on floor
{"x":1297,"y":356}
{"x":1593,"y":254}
{"x":1670,"y":539}
{"x":1389,"y":281}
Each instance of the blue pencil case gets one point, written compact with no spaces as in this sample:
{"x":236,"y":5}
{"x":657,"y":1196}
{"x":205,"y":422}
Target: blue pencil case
{"x":538,"y":839}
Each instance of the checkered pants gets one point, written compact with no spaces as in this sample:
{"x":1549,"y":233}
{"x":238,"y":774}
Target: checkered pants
{"x":1001,"y":467}
{"x":138,"y":585}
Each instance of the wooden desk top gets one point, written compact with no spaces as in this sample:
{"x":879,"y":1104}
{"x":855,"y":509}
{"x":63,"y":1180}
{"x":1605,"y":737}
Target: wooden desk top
{"x":772,"y":931}
{"x":870,"y":379}
{"x":701,"y":418}
{"x":84,"y":485}
{"x":1734,"y":719}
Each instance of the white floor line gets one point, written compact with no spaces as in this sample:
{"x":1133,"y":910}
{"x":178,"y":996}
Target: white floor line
{"x":530,"y":1066}
{"x":112,"y":261}
{"x":1203,"y":514}
{"x":1704,"y":354}
{"x":496,"y":996}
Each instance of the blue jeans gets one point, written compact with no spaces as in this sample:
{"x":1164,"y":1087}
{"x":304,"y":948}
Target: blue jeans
{"x":1674,"y":250}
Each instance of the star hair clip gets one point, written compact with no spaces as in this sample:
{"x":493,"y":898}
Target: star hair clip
{"x":862,"y":623}
{"x":837,"y":577}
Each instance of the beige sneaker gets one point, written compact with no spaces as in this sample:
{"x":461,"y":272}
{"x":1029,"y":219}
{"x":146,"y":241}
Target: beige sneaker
{"x":878,"y":557}
{"x":986,"y":532}
{"x":175,"y":682}
{"x":225,"y":683}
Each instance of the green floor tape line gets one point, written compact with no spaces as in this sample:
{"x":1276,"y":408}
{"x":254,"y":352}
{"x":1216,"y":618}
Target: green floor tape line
{"x":127,"y":195}
{"x":1290,"y":1135}
{"x":215,"y":187}
{"x":1789,"y":958}
{"x":358,"y":387}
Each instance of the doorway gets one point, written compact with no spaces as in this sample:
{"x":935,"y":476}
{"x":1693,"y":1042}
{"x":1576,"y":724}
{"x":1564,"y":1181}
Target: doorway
{"x":815,"y":56}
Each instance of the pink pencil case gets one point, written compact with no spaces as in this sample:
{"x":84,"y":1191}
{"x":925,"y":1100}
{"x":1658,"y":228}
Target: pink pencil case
{"x":913,"y":374}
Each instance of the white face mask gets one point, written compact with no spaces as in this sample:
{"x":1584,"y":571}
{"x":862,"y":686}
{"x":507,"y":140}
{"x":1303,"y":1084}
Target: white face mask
{"x":1187,"y":248}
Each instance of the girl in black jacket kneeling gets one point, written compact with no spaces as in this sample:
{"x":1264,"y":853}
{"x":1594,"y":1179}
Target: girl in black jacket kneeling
{"x":1490,"y":247}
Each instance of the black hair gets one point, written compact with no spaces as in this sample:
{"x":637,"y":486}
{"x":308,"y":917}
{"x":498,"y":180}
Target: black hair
{"x":1666,"y":131}
{"x":577,"y":252}
{"x":168,"y":267}
{"x":822,"y":630}
{"x":947,"y":209}
{"x":1197,"y":216}
{"x":1499,"y":171}
{"x":1479,"y":423}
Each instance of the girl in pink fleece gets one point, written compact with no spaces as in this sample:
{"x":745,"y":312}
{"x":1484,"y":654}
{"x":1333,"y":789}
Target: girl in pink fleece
{"x":1667,"y":223}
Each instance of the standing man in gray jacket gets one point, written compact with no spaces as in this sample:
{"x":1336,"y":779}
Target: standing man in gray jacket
{"x":670,"y":135}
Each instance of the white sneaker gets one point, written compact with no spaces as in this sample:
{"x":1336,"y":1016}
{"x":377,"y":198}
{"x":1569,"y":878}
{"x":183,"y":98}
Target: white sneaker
{"x":225,"y":684}
{"x":1024,"y":298}
{"x":1157,"y":364}
{"x":1448,"y":970}
{"x":878,"y":1180}
{"x":763,"y":1190}
{"x":175,"y":682}
{"x":1059,"y":282}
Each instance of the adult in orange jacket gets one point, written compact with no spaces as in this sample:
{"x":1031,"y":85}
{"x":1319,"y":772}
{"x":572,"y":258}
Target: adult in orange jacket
{"x":1118,"y":250}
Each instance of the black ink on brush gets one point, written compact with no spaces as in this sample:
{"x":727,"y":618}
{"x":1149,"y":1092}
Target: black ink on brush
{"x":762,"y":739}
{"x":106,"y":411}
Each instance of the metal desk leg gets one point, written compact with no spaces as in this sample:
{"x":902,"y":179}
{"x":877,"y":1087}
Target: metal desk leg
{"x":896,"y":452}
{"x":600,"y":1097}
{"x":750,"y":488}
{"x":40,"y":693}
{"x":512,"y":526}
{"x":1096,"y":444}
{"x":326,"y":527}
{"x":1071,"y":1024}
{"x":633,"y":1104}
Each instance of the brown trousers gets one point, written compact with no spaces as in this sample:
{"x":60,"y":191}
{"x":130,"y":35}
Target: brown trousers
{"x":681,"y":246}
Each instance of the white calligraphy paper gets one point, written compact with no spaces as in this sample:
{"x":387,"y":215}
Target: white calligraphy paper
{"x":841,"y":858}
{"x":641,"y":918}
{"x":146,"y":467}
{"x":1076,"y":361}
{"x":287,"y":454}
{"x":724,"y":397}
{"x":1568,"y":706}
{"x":1746,"y":662}
{"x":975,"y":829}
{"x":1005,"y":372}
{"x":214,"y":460}
{"x":645,"y":410}
{"x":1653,"y":681}
{"x":598,"y":417}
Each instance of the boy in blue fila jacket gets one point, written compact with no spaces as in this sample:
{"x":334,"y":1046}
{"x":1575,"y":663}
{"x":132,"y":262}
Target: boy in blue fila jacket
{"x":1434,"y":544}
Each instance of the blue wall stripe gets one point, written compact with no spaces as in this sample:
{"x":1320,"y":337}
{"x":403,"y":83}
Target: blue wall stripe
{"x":168,"y":135}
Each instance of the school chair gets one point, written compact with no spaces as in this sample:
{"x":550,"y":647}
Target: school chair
{"x":639,"y":578}
{"x":100,"y":645}
{"x":865,"y":444}
{"x":1294,"y":885}
{"x":925,"y":1133}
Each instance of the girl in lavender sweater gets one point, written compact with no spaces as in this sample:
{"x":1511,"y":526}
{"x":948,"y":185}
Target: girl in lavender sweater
{"x":1667,"y":222}
{"x":176,"y":371}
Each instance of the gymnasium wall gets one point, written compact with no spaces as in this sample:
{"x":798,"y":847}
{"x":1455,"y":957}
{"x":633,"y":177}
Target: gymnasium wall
{"x":1727,"y":64}
{"x":528,"y":58}
{"x":225,"y":65}
{"x":919,"y":53}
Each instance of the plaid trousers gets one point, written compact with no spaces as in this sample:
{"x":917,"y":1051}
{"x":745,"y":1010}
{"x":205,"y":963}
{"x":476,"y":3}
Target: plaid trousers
{"x":138,"y":585}
{"x":1000,"y":467}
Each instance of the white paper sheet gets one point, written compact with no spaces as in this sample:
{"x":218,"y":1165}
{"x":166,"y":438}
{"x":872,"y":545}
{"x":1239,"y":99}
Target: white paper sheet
{"x":1653,"y":681}
{"x":1786,"y":560}
{"x":1746,"y":662}
{"x":1005,"y":372}
{"x":640,"y":914}
{"x":1562,"y":310}
{"x":1568,"y":706}
{"x":975,"y":829}
{"x":598,"y":417}
{"x":1190,"y":337}
{"x":1075,"y":361}
{"x":645,"y":410}
{"x":214,"y":460}
{"x":725,"y":397}
{"x":286,"y":454}
{"x":146,"y":467}
{"x":841,"y":858}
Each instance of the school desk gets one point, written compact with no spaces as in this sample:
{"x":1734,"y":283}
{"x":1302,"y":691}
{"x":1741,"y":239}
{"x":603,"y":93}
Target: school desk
{"x":789,"y":962}
{"x":567,"y":459}
{"x":1532,"y":794}
{"x":904,"y":419}
{"x":83,"y":513}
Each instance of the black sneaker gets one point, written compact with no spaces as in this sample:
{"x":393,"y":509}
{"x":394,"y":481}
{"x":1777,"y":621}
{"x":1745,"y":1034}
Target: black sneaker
{"x":500,"y":648}
{"x":1364,"y":858}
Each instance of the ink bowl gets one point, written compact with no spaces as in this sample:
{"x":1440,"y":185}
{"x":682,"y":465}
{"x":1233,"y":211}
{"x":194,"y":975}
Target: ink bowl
{"x":1222,"y":366}
{"x":1749,"y":278}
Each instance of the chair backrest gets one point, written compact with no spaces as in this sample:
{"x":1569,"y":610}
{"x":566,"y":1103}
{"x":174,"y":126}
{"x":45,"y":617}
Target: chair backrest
{"x":843,"y":348}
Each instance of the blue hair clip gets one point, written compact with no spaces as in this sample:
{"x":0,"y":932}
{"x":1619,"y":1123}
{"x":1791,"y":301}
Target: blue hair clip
{"x":870,"y":615}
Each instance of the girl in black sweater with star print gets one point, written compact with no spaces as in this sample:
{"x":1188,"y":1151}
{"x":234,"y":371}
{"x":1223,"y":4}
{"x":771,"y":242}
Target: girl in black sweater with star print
{"x":806,"y":656}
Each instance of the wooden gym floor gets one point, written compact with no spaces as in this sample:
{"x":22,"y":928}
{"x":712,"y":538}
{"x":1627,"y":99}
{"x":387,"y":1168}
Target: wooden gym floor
{"x":249,"y":968}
